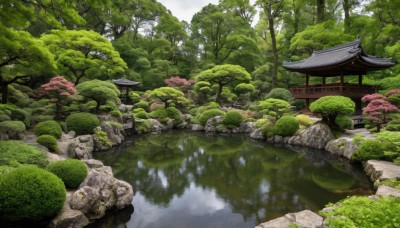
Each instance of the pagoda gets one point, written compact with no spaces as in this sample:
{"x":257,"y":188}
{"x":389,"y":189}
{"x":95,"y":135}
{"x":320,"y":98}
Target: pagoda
{"x":344,"y":60}
{"x":125,"y":84}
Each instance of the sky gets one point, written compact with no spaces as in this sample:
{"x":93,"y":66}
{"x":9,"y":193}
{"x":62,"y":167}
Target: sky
{"x":185,"y":9}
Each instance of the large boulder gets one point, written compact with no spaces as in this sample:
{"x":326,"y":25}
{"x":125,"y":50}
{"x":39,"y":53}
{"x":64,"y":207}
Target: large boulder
{"x":114,"y":132}
{"x":381,"y":170}
{"x":305,"y":219}
{"x":80,"y":147}
{"x":384,"y":190}
{"x":212,"y":123}
{"x":69,"y":218}
{"x":197,"y":127}
{"x":316,"y":136}
{"x":156,"y":127}
{"x":342,"y":146}
{"x":88,"y":201}
{"x":247,"y":127}
{"x":257,"y":134}
{"x":124,"y":193}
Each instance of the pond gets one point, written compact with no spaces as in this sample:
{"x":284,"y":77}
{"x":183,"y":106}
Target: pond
{"x":187,"y":179}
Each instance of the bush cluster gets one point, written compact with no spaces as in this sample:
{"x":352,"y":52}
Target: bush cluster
{"x":208,"y":114}
{"x":16,"y":151}
{"x":268,"y":129}
{"x":369,"y":149}
{"x":72,"y":172}
{"x":304,"y":120}
{"x":286,"y":126}
{"x":232,"y":119}
{"x":82,"y":123}
{"x":12,"y":128}
{"x":48,"y":141}
{"x":49,"y":127}
{"x":142,"y":104}
{"x":30,"y":193}
{"x":344,"y":122}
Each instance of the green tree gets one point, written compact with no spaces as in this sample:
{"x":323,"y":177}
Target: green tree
{"x":168,"y":95}
{"x":99,"y":91}
{"x":223,"y":75}
{"x":80,"y":53}
{"x":21,"y":57}
{"x":274,"y":107}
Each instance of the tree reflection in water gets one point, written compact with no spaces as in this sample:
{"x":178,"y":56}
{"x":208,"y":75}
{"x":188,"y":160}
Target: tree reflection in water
{"x":253,"y":179}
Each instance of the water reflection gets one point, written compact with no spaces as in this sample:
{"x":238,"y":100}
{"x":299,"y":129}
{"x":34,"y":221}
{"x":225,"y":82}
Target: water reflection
{"x":186,"y":179}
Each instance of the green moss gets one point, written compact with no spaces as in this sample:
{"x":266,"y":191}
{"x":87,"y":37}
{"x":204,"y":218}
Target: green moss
{"x":344,"y":122}
{"x":30,"y":193}
{"x":102,"y":137}
{"x":286,"y":126}
{"x":49,"y":127}
{"x":17,"y":151}
{"x":72,"y":172}
{"x":395,"y":183}
{"x":232,"y":119}
{"x":48,"y":141}
{"x":12,"y":128}
{"x":208,"y":114}
{"x":142,"y":104}
{"x":369,"y":149}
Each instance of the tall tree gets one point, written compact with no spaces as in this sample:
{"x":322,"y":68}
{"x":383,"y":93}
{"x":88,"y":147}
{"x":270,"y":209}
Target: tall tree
{"x":273,"y":10}
{"x":240,"y":8}
{"x":80,"y":53}
{"x":321,"y":11}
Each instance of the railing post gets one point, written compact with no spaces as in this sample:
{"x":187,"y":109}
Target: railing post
{"x":341,"y":82}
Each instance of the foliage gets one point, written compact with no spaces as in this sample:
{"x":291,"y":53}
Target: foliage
{"x":30,"y":193}
{"x":304,"y":120}
{"x":329,"y":107}
{"x":344,"y":122}
{"x":268,"y":129}
{"x":58,"y":90}
{"x":179,"y":83}
{"x":369,"y":149}
{"x":223,"y":75}
{"x":163,"y":115}
{"x":82,"y":123}
{"x":49,"y":127}
{"x":14,"y":113}
{"x":280,"y":93}
{"x":286,"y":126}
{"x":273,"y":107}
{"x":244,"y":88}
{"x":72,"y":172}
{"x":142,"y":104}
{"x":208,"y":114}
{"x":48,"y":141}
{"x":12,"y":128}
{"x":232,"y":119}
{"x":135,"y":97}
{"x":362,"y":211}
{"x":116,"y":113}
{"x":169,"y":96}
{"x":16,"y":151}
{"x":99,"y":91}
{"x":201,"y":91}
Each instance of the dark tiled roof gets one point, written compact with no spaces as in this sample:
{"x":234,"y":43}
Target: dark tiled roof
{"x":348,"y":58}
{"x":125,"y":82}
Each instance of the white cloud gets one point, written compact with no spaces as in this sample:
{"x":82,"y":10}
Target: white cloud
{"x":185,"y":9}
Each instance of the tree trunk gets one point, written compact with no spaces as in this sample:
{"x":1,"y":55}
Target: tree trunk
{"x":97,"y":107}
{"x":218,"y":97}
{"x":346,"y":9}
{"x":4,"y":93}
{"x":320,"y":10}
{"x":275,"y":53}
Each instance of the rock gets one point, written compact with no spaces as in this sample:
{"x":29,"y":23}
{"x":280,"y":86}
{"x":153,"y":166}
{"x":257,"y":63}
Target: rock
{"x":84,"y":138}
{"x":247,"y":127}
{"x":212,"y":123}
{"x":92,"y":163}
{"x":182,"y":125}
{"x":257,"y":134}
{"x":155,"y":126}
{"x":80,"y":147}
{"x":69,"y":218}
{"x":99,"y":178}
{"x":222,"y":129}
{"x":305,"y":219}
{"x":278,"y":139}
{"x":170,"y":124}
{"x":270,"y":140}
{"x":316,"y":136}
{"x":342,"y":146}
{"x":124,"y":194}
{"x":197,"y":127}
{"x":236,"y":130}
{"x":381,"y":170}
{"x":87,"y":200}
{"x":187,"y":117}
{"x":83,"y":153}
{"x":384,"y":190}
{"x":286,"y":140}
{"x":114,"y":133}
{"x":54,"y":157}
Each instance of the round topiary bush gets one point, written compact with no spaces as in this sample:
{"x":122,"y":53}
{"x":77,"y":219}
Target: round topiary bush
{"x":16,"y":151}
{"x":48,"y":141}
{"x":232,"y":119}
{"x":49,"y":127}
{"x":82,"y":123}
{"x":286,"y":126}
{"x":344,"y":122}
{"x":208,"y":114}
{"x":369,"y":149}
{"x":12,"y":128}
{"x":30,"y":193}
{"x":72,"y":172}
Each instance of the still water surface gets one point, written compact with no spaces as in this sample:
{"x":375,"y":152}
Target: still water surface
{"x":186,"y":179}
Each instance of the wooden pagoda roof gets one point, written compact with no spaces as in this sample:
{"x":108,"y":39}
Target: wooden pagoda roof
{"x":346,"y":59}
{"x":125,"y":82}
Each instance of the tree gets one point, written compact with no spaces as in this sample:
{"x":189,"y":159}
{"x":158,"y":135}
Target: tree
{"x":223,"y":75}
{"x":21,"y":57}
{"x":99,"y":91}
{"x":201,"y":90}
{"x":179,"y":83}
{"x":80,"y":53}
{"x":378,"y":109}
{"x":168,"y":95}
{"x":329,"y":107}
{"x":274,"y":107}
{"x":58,"y":89}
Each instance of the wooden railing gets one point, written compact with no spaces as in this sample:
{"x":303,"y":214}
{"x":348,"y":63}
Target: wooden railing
{"x":317,"y":91}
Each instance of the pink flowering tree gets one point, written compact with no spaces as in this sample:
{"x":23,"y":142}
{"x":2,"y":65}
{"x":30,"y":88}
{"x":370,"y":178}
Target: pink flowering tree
{"x":378,"y":109}
{"x":393,"y":97}
{"x":179,"y":83}
{"x":58,"y":90}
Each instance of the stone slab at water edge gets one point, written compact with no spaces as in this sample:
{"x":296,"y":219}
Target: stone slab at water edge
{"x":305,"y":219}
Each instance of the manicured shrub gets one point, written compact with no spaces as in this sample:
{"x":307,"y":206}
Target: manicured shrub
{"x":82,"y":123}
{"x":232,"y":119}
{"x":49,"y":127}
{"x":175,"y":114}
{"x":142,"y":104}
{"x":208,"y":114}
{"x":362,"y":211}
{"x":286,"y":126}
{"x":136,"y":110}
{"x":12,"y":128}
{"x":394,"y":125}
{"x":16,"y":151}
{"x":331,"y":106}
{"x":30,"y":193}
{"x":161,"y":114}
{"x":141,"y":115}
{"x":268,"y":129}
{"x":304,"y":120}
{"x":135,"y":97}
{"x":261,"y":122}
{"x":116,"y":113}
{"x":280,"y":93}
{"x":273,"y":107}
{"x":48,"y":141}
{"x":72,"y":172}
{"x":344,"y":122}
{"x":369,"y":149}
